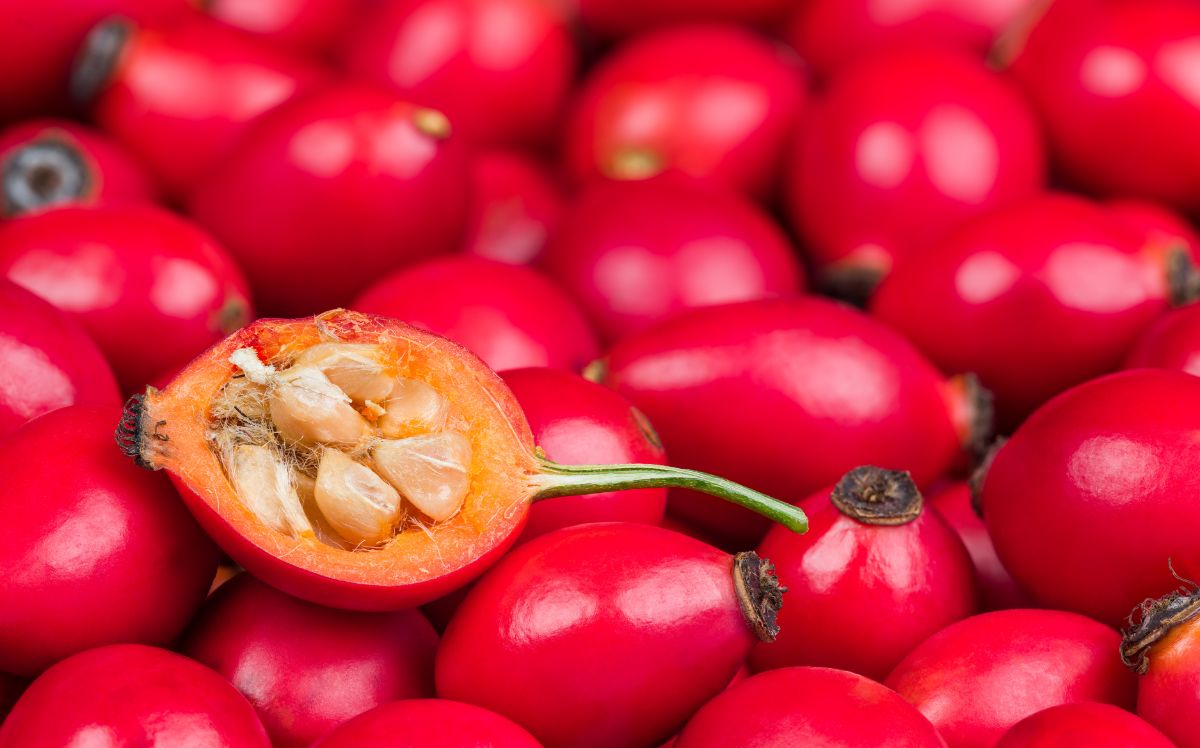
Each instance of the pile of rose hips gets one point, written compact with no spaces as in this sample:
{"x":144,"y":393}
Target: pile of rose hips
{"x":922,"y":271}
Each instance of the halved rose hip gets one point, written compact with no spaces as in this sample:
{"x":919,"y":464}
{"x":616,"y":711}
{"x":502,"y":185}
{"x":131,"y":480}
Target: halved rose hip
{"x":357,"y":462}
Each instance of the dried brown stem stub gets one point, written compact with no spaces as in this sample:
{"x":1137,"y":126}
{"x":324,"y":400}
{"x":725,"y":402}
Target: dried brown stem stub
{"x":759,"y":593}
{"x":45,"y":172}
{"x":876,"y":496}
{"x":1154,"y":619}
{"x":97,"y":59}
{"x":1183,"y":277}
{"x":983,"y":417}
{"x":979,"y":474}
{"x":853,"y":284}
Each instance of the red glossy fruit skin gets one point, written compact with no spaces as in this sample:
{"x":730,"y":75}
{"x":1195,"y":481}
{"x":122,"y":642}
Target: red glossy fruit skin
{"x":430,"y":723}
{"x":515,"y":207}
{"x":997,"y":589}
{"x":345,"y":187}
{"x":500,"y":69}
{"x":976,"y":678}
{"x":97,"y":551}
{"x":598,"y":635}
{"x":512,"y":317}
{"x":113,"y":173}
{"x":48,"y":361}
{"x":38,"y":42}
{"x":808,"y":706}
{"x":230,"y":82}
{"x":1051,"y":280}
{"x":831,"y":34}
{"x":1083,"y":501}
{"x":311,"y":27}
{"x":844,"y":577}
{"x":152,"y":289}
{"x":1173,"y":342}
{"x":1169,"y":692}
{"x":610,"y":18}
{"x":1092,"y":725}
{"x":577,"y":422}
{"x":1098,"y":71}
{"x":784,"y":396}
{"x":903,"y":147}
{"x":129,"y":694}
{"x":724,"y":99}
{"x":1155,"y":224}
{"x":305,"y":668}
{"x":634,"y":253}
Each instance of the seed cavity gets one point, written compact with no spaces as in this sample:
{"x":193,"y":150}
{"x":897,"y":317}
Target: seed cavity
{"x":262,"y":480}
{"x":431,"y":472}
{"x":356,"y":369}
{"x":308,"y":408}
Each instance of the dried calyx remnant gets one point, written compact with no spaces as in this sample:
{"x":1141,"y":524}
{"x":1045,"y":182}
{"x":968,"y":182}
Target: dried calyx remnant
{"x":332,"y":444}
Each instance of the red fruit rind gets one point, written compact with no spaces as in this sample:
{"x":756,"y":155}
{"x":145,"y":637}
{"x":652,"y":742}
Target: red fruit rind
{"x":1154,"y":620}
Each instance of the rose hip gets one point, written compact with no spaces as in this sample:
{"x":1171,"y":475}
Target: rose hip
{"x":855,"y":567}
{"x":1092,"y":288}
{"x":497,"y":87}
{"x":97,"y":551}
{"x":1093,"y":725}
{"x":307,"y":669}
{"x":976,"y":678}
{"x":601,"y":620}
{"x":737,"y":388}
{"x":151,"y":288}
{"x":310,"y":27}
{"x":1173,"y":342}
{"x":129,"y":694}
{"x":808,"y":706}
{"x":49,"y":162}
{"x":634,"y":253}
{"x":1083,"y":501}
{"x":514,"y":209}
{"x":346,"y":184}
{"x":130,"y":78}
{"x":429,"y":723}
{"x":723,"y":102}
{"x":609,"y":18}
{"x":511,"y":317}
{"x":902,"y":148}
{"x":47,"y":360}
{"x":1160,"y":645}
{"x":1154,"y":224}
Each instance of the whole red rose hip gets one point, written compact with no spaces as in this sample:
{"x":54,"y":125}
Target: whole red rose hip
{"x":1083,"y":501}
{"x":855,"y":567}
{"x":346,"y":184}
{"x":1173,"y":342}
{"x":499,"y":69}
{"x":723,"y":102}
{"x":1093,"y":725}
{"x":430,"y":723}
{"x":601,"y":620}
{"x":151,"y":288}
{"x":311,"y":27}
{"x":305,"y":668}
{"x":49,"y":162}
{"x":98,"y":550}
{"x":634,"y":253}
{"x":901,"y":148}
{"x":129,"y":694}
{"x":976,"y":678}
{"x":514,"y":210}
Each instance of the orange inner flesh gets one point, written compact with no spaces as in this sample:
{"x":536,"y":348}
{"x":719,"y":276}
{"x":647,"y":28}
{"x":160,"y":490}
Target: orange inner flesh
{"x":188,"y":430}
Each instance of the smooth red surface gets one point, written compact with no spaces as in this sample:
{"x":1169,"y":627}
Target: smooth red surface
{"x":1115,"y":83}
{"x":430,"y":723}
{"x":499,"y":69}
{"x":47,"y":360}
{"x":714,"y":103}
{"x":808,"y":706}
{"x":598,"y":635}
{"x":1083,"y":502}
{"x":345,"y":186}
{"x":181,"y":98}
{"x":829,"y":34}
{"x":1155,"y":224}
{"x":510,"y":316}
{"x":577,"y":422}
{"x":515,"y":207}
{"x":1169,"y":693}
{"x":634,"y":253}
{"x":305,"y":668}
{"x":112,"y":173}
{"x":608,"y":18}
{"x":903,"y":147}
{"x":997,"y":589}
{"x":306,"y":26}
{"x":845,"y":578}
{"x":132,"y":695}
{"x":95,"y":550}
{"x":38,"y":42}
{"x":977,"y":678}
{"x":784,"y":396}
{"x":1034,"y":298}
{"x":152,"y":289}
{"x":1091,"y":725}
{"x":1173,"y":342}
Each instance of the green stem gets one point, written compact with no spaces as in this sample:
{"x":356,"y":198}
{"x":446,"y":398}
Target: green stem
{"x":575,"y":480}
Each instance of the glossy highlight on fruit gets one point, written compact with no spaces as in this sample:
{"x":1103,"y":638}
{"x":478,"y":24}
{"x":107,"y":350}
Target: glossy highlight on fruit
{"x":310,"y":27}
{"x":515,"y":207}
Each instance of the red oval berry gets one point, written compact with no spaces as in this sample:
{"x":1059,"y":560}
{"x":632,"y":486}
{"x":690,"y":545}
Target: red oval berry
{"x":307,"y":26}
{"x":429,"y":723}
{"x":1093,"y":725}
{"x":1173,"y":342}
{"x":514,"y":210}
